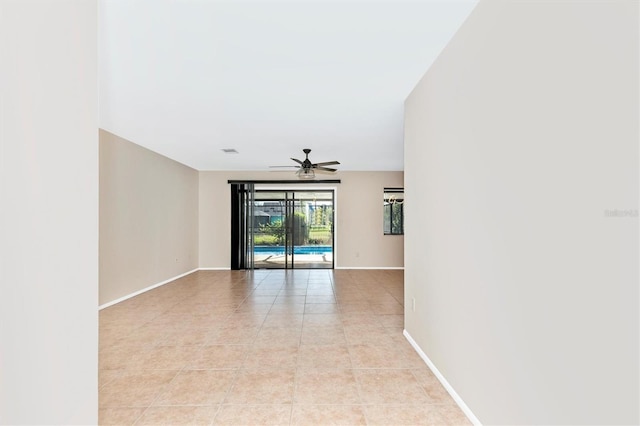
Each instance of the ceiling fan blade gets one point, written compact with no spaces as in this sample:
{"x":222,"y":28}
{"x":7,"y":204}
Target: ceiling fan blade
{"x":278,"y":167}
{"x":327,"y":163}
{"x":297,"y":161}
{"x":325,"y":169}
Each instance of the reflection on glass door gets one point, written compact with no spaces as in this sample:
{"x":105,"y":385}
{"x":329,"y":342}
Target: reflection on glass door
{"x":292,"y":229}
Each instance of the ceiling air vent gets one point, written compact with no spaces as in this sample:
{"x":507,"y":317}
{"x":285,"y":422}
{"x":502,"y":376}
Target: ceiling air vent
{"x":229,"y":151}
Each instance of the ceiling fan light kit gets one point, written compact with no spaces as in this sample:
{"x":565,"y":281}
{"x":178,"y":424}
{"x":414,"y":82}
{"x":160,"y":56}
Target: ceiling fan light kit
{"x":306,"y":174}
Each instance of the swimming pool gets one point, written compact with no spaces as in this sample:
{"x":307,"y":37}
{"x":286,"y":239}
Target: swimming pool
{"x":279,"y":250}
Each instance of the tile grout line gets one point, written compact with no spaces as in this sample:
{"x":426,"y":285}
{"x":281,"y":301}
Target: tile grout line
{"x":157,"y":397}
{"x":226,"y":395}
{"x":295,"y":377}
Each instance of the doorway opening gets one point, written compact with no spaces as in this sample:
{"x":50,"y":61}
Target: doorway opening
{"x":283,"y":229}
{"x":293,"y":229}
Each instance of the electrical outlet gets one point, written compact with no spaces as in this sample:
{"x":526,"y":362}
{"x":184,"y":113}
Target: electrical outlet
{"x":413,"y":304}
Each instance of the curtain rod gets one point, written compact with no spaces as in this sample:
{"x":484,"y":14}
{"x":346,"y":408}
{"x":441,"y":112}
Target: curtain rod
{"x":284,"y":181}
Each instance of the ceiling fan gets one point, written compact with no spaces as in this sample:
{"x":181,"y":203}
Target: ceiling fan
{"x":307,"y":169}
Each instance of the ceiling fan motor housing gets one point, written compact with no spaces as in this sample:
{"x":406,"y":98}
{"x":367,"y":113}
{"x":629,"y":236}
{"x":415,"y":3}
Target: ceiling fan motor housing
{"x":306,"y":164}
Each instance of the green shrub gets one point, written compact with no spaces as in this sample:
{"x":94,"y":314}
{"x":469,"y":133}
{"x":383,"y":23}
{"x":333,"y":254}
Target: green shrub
{"x":273,"y":230}
{"x":320,"y":235}
{"x":274,"y":233}
{"x":265,"y":240}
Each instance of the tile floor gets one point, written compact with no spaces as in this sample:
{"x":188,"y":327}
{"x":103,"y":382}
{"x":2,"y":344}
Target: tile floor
{"x":314,"y":347}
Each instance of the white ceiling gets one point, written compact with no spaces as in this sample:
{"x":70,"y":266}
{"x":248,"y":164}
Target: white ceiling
{"x":187,"y":78}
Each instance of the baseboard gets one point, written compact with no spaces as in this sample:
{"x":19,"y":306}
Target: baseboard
{"x":129,"y":296}
{"x":465,"y":409}
{"x":214,"y":269}
{"x":370,"y":267}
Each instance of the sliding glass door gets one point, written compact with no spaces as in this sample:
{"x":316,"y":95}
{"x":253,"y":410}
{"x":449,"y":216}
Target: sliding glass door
{"x":292,"y":229}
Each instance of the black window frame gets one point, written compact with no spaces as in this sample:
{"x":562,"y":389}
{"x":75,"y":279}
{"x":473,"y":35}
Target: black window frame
{"x":393,"y":205}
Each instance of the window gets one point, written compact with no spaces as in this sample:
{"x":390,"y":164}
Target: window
{"x":393,"y":211}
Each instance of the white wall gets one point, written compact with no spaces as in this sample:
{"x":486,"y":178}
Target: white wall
{"x":48,"y":212}
{"x":518,"y":140}
{"x":148,"y":218}
{"x":360,"y":242}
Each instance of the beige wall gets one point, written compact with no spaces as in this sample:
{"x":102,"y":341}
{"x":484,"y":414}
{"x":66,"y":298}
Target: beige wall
{"x":148,"y":218}
{"x":518,"y":140}
{"x":48,"y":212}
{"x":159,"y":218}
{"x":360,"y":241}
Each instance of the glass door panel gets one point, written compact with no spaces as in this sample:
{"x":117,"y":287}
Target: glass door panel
{"x":270,"y":232}
{"x":293,"y":229}
{"x":313,"y":246}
